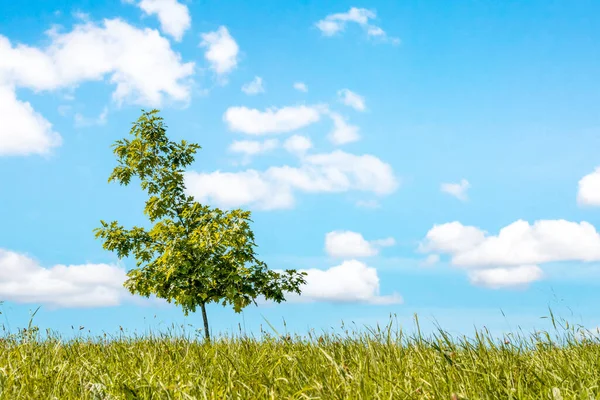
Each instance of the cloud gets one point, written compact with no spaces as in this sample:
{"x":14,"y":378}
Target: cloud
{"x":589,"y":189}
{"x":497,"y":278}
{"x":297,"y":144}
{"x":255,"y":122}
{"x":350,"y":282}
{"x":458,"y":190}
{"x":23,"y":131}
{"x":253,"y":147}
{"x":173,"y":16}
{"x":23,"y":280}
{"x":516,"y":250}
{"x":301,"y":87}
{"x":348,"y":244}
{"x":336,"y":23}
{"x":352,"y":99}
{"x":139,"y":62}
{"x":274,"y":188}
{"x":81,"y":121}
{"x":254,"y":87}
{"x":221,"y":51}
{"x":342,"y":132}
{"x":372,"y":204}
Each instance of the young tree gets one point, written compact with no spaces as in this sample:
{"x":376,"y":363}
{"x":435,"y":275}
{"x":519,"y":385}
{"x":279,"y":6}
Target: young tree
{"x":194,"y":254}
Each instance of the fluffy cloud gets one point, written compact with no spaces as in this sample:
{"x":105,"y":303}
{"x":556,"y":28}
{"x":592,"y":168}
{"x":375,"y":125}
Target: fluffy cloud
{"x":23,"y":131}
{"x":342,"y":132}
{"x":497,"y":278}
{"x":458,"y":190}
{"x":589,"y":189}
{"x":352,"y":99}
{"x":348,"y":244}
{"x":252,"y":147}
{"x":255,"y":122}
{"x":274,"y":188}
{"x":516,"y":250}
{"x":301,"y":87}
{"x":139,"y":62}
{"x":254,"y":87}
{"x":23,"y":280}
{"x":350,"y":282}
{"x":221,"y":51}
{"x":297,"y":144}
{"x":336,"y":23}
{"x":173,"y":16}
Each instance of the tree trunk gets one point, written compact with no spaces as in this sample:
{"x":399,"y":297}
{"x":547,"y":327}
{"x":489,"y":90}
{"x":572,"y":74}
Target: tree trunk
{"x":205,"y":318}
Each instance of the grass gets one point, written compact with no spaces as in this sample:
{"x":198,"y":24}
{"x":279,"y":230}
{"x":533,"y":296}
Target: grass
{"x":380,"y":364}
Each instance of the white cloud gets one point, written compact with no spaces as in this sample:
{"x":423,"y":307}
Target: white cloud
{"x":23,"y":280}
{"x":352,"y":99}
{"x":301,"y":87}
{"x":139,"y":62}
{"x":342,"y":132}
{"x":589,"y":189}
{"x":274,"y":188}
{"x":458,"y":190}
{"x":254,"y":87}
{"x":516,"y":245}
{"x":81,"y":121}
{"x":497,"y":278}
{"x":255,"y":122}
{"x":350,"y":282}
{"x":173,"y":16}
{"x":23,"y":131}
{"x":348,"y":244}
{"x":221,"y":51}
{"x":336,"y":23}
{"x":253,"y":147}
{"x":297,"y":144}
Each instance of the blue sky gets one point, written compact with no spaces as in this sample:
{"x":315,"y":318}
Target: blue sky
{"x":436,"y":158}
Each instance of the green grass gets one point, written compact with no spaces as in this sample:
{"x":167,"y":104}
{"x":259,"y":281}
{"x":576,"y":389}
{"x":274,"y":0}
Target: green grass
{"x":379,"y":364}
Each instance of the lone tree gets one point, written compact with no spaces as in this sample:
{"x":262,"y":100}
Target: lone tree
{"x":194,"y":254}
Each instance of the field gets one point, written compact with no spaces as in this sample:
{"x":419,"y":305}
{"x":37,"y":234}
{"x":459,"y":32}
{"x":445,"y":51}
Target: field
{"x":381,"y":364}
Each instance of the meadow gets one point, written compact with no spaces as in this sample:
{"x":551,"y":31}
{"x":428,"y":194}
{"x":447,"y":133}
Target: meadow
{"x":380,"y":364}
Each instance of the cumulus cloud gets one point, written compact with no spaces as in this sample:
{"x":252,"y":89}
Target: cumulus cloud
{"x":297,"y":144}
{"x":350,"y":282}
{"x":23,"y":131}
{"x":23,"y":280}
{"x":253,"y":147}
{"x":342,"y":132}
{"x":352,"y":99}
{"x":589,"y":189}
{"x":516,"y":250}
{"x":458,"y":190}
{"x":139,"y":62}
{"x":271,"y":121}
{"x":336,"y":23}
{"x":301,"y":87}
{"x":173,"y":16}
{"x":221,"y":51}
{"x":254,"y":87}
{"x":497,"y":278}
{"x":348,"y":244}
{"x":334,"y":172}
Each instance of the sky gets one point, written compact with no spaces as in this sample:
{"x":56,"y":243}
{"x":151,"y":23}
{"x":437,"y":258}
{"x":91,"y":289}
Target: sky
{"x":432,"y":158}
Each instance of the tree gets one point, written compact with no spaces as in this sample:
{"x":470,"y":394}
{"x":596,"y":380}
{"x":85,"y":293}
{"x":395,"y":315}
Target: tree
{"x":194,"y":254}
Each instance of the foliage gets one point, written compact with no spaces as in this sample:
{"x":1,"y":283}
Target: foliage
{"x":194,"y":254}
{"x":378,"y":365}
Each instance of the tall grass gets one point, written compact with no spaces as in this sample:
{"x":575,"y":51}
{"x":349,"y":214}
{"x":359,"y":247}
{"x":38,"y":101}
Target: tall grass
{"x":380,"y":364}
